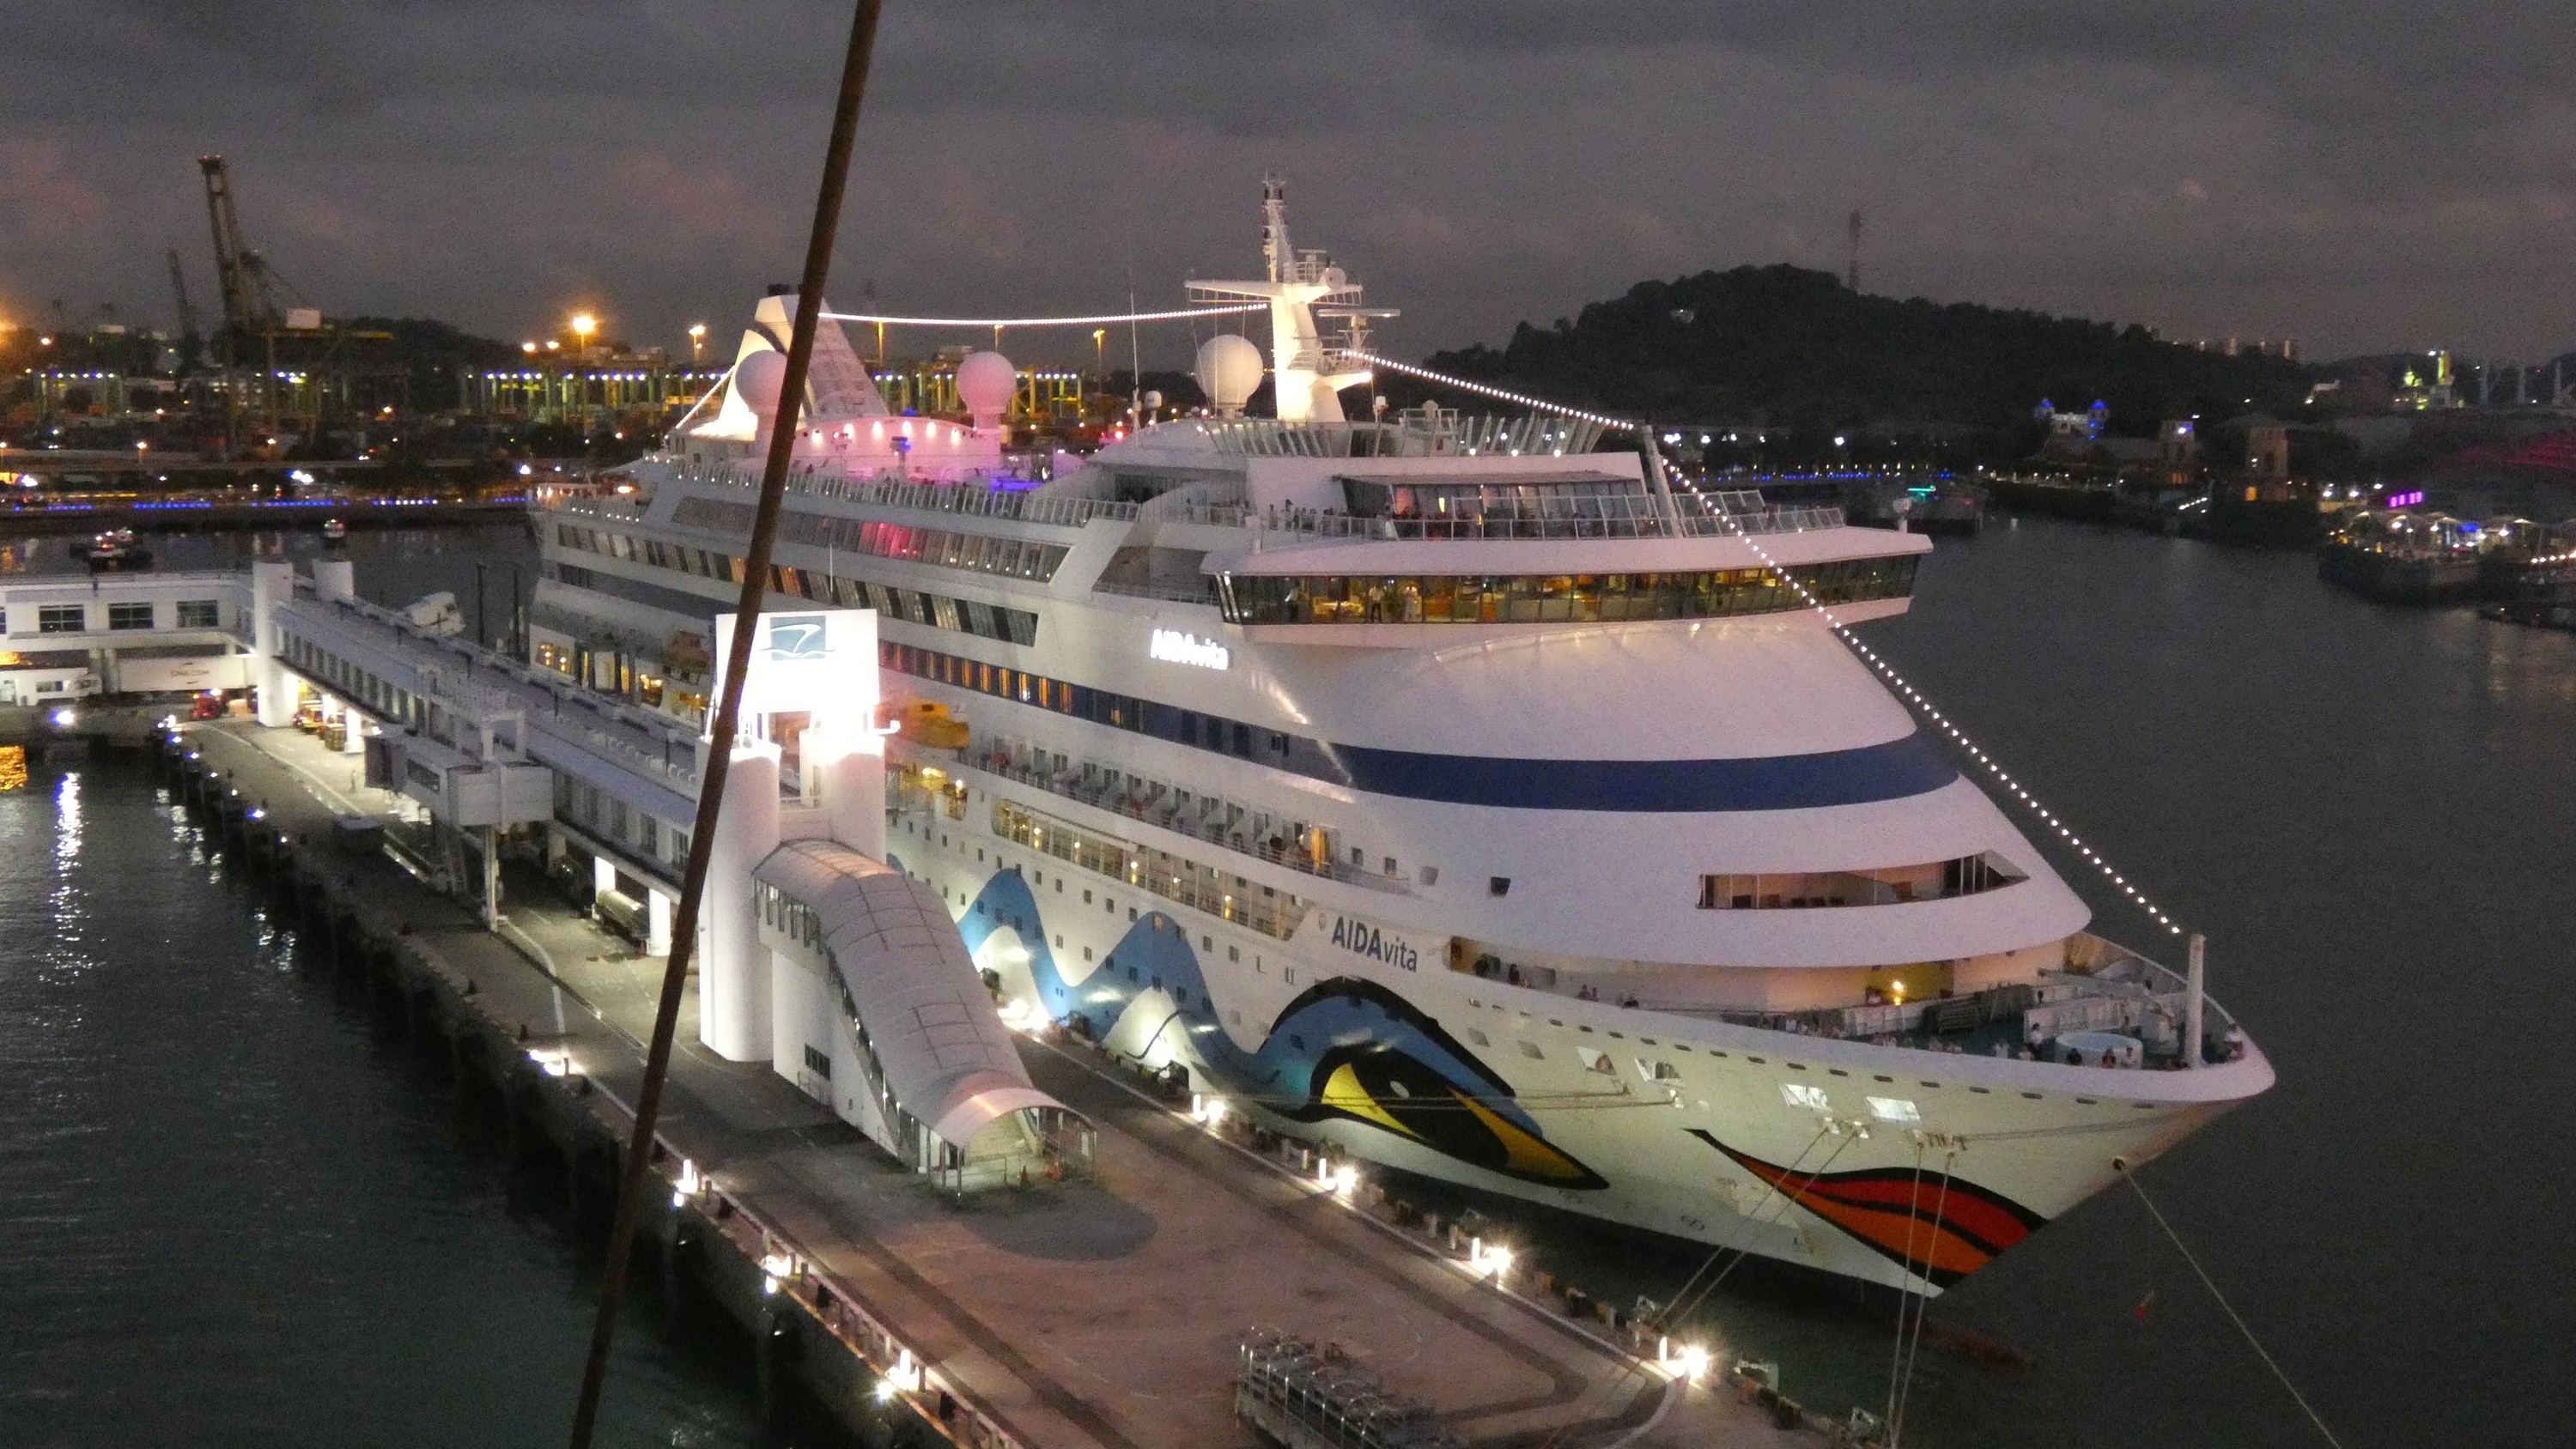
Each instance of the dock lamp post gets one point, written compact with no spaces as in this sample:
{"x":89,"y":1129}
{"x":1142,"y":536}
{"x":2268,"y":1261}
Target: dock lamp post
{"x":1099,"y":359}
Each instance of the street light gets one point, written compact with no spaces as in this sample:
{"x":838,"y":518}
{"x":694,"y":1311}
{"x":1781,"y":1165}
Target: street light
{"x":1099,"y":363}
{"x":697,"y":341}
{"x":583,"y":324}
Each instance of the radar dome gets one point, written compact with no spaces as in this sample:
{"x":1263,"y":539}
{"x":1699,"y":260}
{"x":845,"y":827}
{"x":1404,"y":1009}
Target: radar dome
{"x":1229,"y":368}
{"x":986,"y":383}
{"x":756,"y":380}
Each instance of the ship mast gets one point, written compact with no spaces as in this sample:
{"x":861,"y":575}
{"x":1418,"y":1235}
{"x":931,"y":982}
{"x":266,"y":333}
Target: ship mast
{"x":1300,"y":287}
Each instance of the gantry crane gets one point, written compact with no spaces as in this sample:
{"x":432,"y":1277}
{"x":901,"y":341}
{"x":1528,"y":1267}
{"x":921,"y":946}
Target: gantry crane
{"x":192,"y":343}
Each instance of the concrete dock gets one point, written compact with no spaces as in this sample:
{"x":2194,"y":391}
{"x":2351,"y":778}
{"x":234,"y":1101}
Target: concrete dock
{"x":1107,"y":1312}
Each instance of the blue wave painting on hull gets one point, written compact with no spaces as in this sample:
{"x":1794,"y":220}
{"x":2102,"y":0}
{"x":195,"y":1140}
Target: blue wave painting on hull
{"x":1345,"y":1049}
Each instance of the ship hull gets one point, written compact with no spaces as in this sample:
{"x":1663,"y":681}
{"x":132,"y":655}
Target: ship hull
{"x":1895,"y":1165}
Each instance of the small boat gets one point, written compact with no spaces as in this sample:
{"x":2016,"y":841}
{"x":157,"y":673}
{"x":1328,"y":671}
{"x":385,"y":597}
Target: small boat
{"x":334,"y":531}
{"x":116,"y":549}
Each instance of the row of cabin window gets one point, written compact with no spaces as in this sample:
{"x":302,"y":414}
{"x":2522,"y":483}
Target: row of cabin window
{"x":605,"y":814}
{"x":74,"y":618}
{"x":1252,"y":829}
{"x":724,"y":568}
{"x":1932,"y":881}
{"x":791,"y":917}
{"x":1294,"y":753}
{"x":1543,"y":598}
{"x":942,"y":547}
{"x":1202,"y":887}
{"x":376,"y":694}
{"x":958,"y":616}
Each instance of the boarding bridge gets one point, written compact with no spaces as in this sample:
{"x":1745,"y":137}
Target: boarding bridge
{"x":892,"y":1025}
{"x":848,"y":977}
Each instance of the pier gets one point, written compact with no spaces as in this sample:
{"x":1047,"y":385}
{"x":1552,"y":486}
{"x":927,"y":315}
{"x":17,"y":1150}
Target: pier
{"x":1113,"y":1310}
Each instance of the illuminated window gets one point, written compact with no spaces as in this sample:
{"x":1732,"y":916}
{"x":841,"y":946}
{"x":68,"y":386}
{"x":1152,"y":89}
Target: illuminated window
{"x":1888,"y":885}
{"x":1799,"y":1094}
{"x":1897,"y":1110}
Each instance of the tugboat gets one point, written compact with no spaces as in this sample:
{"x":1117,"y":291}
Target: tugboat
{"x":116,"y":549}
{"x":334,"y":531}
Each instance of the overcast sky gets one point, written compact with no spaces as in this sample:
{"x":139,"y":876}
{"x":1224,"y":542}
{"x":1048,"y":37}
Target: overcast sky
{"x":2362,"y":176}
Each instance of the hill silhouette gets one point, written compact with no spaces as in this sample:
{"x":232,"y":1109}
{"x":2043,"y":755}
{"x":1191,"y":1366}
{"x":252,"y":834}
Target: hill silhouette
{"x":1796,"y":351}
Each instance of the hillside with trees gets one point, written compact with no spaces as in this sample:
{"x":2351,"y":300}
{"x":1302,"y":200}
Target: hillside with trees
{"x":1797,"y":353}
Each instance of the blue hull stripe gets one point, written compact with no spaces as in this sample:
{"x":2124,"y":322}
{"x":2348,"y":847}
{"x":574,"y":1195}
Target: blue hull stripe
{"x":1890,"y":771}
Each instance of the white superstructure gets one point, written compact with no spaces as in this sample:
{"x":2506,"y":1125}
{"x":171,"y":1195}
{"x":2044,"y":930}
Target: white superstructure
{"x":1439,"y":787}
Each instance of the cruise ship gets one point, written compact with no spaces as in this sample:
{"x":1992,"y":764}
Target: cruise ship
{"x":1452,"y":791}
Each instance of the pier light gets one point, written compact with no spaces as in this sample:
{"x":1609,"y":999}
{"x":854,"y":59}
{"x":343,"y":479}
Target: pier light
{"x":1688,"y":1361}
{"x":1346,"y":1179}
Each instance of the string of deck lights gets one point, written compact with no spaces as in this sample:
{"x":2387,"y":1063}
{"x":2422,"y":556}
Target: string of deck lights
{"x":1104,"y":320}
{"x":1499,"y":394}
{"x":2001,"y":776}
{"x":1843,"y":632}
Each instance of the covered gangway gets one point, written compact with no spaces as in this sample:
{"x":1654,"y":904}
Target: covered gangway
{"x":952,"y":1098}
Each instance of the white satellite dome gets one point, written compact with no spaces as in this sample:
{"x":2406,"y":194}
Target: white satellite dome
{"x":1229,"y":368}
{"x":986,"y":383}
{"x":756,"y":380}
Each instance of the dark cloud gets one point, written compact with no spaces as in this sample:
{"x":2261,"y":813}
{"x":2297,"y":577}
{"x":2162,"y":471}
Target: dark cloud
{"x":2359,"y":177}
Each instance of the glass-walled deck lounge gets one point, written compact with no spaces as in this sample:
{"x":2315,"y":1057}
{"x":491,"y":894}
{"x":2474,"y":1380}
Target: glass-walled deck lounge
{"x":1541,"y":598}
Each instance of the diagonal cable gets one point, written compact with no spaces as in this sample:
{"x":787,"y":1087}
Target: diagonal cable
{"x":719,"y":750}
{"x":2232,"y":1316}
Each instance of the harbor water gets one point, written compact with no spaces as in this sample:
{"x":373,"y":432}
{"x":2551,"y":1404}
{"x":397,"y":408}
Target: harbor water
{"x":2364,"y":808}
{"x":232,"y":1217}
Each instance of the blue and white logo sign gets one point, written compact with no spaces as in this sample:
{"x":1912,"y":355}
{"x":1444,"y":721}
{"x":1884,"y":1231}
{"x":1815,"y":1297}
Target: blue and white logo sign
{"x":796,"y":636}
{"x":815,"y":662}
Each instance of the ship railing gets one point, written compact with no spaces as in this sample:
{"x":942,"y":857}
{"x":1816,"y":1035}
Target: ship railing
{"x":2103,"y":988}
{"x":1615,"y":517}
{"x":1005,"y":758}
{"x":1203,"y":592}
{"x":1220,"y":515}
{"x":1410,"y":435}
{"x":970,"y":493}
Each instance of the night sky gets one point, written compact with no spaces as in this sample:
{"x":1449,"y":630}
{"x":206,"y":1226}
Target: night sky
{"x":2363,"y":177}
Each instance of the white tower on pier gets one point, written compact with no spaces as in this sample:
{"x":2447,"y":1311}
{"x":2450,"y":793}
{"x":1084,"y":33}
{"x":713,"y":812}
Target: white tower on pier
{"x":1299,"y":284}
